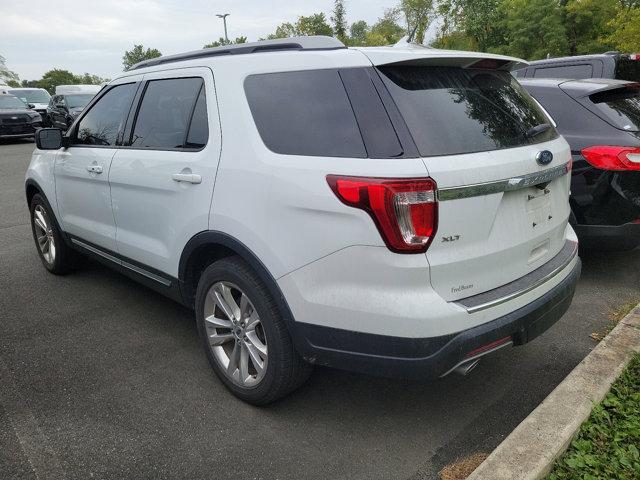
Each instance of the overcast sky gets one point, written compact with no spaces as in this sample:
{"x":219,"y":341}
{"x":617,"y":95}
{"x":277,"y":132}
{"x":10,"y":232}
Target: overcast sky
{"x":91,"y":36}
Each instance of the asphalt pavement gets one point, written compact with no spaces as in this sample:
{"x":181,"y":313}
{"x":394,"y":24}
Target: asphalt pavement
{"x":103,"y":378}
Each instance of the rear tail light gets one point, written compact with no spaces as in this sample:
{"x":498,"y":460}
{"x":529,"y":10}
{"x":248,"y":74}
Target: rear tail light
{"x":404,"y":210}
{"x":613,"y":158}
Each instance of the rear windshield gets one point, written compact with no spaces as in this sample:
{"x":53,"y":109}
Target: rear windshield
{"x":620,"y":106}
{"x":450,"y":110}
{"x":627,"y":69}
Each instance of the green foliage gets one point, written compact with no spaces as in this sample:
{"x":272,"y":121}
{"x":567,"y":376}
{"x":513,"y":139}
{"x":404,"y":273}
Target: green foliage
{"x":418,"y":15}
{"x":587,"y":25}
{"x":607,"y":444}
{"x":51,"y":79}
{"x":358,"y":33}
{"x":138,"y":54}
{"x":386,"y":30}
{"x":221,"y":41}
{"x":478,"y":20}
{"x":625,"y":35}
{"x":339,"y":20}
{"x":315,"y":24}
{"x":7,"y":76}
{"x":533,"y":29}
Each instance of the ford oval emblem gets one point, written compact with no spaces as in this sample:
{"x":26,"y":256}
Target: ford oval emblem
{"x":544,"y":157}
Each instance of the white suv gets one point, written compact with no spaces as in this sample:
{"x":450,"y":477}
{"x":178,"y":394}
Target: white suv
{"x":395,"y":210}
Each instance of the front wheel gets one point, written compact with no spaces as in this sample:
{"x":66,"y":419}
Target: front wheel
{"x":244,"y":336}
{"x":54,"y":253}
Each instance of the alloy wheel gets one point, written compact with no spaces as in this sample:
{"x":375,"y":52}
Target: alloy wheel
{"x":44,"y":234}
{"x":235,"y":334}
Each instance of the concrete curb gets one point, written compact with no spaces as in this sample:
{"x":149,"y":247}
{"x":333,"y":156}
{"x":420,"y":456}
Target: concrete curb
{"x":529,"y":452}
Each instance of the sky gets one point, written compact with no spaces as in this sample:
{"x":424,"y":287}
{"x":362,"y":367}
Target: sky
{"x":91,"y":36}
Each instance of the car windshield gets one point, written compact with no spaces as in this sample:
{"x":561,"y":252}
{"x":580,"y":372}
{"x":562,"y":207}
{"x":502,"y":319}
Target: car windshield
{"x":452,"y":110}
{"x":32,"y":96}
{"x":620,"y":106}
{"x":79,"y":100}
{"x":628,"y":69}
{"x":9,"y":101}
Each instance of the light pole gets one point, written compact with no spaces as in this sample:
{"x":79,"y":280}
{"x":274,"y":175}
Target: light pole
{"x":224,"y":16}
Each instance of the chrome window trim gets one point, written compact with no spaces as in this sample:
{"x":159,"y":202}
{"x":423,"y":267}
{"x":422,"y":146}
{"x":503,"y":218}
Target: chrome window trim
{"x":506,"y":185}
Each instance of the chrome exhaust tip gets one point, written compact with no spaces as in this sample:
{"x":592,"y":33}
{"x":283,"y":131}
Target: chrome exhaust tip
{"x":466,"y":367}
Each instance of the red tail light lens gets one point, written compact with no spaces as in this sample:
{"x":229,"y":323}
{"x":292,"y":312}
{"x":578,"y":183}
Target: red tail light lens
{"x":613,"y":158}
{"x":404,"y":210}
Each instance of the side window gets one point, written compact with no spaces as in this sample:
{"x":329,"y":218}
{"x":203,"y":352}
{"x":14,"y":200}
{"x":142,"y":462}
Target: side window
{"x":199,"y":128}
{"x":106,"y":119}
{"x":165,"y":113}
{"x":584,"y":70}
{"x":304,"y":113}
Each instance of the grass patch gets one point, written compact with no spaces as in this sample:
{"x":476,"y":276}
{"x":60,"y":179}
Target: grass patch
{"x":614,"y":318}
{"x":607,"y":445}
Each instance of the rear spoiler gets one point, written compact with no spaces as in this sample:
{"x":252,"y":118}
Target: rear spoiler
{"x":411,"y":54}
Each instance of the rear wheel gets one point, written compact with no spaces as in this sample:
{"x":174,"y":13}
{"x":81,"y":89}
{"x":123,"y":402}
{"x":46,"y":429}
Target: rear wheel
{"x":244,"y":336}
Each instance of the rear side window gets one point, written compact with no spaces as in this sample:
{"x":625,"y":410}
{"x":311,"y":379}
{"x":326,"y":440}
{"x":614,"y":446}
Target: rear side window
{"x":451,"y":110}
{"x":106,"y":119}
{"x":165,"y":114}
{"x":621,"y":106}
{"x":584,"y":70}
{"x":304,"y":113}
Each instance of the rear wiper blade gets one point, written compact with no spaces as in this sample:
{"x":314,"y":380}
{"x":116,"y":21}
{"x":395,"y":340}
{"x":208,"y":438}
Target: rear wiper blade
{"x":537,"y":130}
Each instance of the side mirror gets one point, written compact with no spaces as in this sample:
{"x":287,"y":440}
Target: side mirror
{"x":49,"y":139}
{"x":31,"y":105}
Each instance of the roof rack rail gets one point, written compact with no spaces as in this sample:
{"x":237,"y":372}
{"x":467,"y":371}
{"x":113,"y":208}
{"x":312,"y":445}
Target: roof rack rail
{"x":316,"y":42}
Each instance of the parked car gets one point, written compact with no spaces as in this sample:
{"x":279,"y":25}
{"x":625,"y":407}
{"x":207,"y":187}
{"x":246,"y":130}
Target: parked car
{"x":601,"y":121}
{"x":35,"y":98}
{"x":16,"y":119}
{"x":64,"y":109}
{"x":607,"y":65}
{"x":401,"y":211}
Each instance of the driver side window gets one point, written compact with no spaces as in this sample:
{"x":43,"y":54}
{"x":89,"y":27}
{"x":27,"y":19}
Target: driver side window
{"x":106,"y":119}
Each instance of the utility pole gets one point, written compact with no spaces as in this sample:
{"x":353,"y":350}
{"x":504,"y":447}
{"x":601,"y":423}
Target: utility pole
{"x":224,"y":16}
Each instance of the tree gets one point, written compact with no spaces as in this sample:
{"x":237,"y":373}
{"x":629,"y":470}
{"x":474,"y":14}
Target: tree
{"x":7,"y":76}
{"x":315,"y":24}
{"x":138,"y":54}
{"x":475,"y":23}
{"x":588,"y":24}
{"x":339,"y":20}
{"x":221,"y":41}
{"x":386,"y":30}
{"x":417,"y":14}
{"x":533,"y":29}
{"x":88,"y":79}
{"x":51,"y":79}
{"x":626,"y":30}
{"x":358,"y":33}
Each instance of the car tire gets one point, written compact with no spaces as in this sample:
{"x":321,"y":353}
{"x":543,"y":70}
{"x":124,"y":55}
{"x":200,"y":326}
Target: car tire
{"x":241,"y":328}
{"x":54,"y":253}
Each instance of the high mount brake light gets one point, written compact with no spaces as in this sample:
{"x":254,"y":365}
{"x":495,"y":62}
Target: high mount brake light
{"x":613,"y":158}
{"x":404,"y":209}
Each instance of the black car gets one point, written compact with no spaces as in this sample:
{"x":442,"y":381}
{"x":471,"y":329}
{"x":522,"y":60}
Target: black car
{"x":601,"y":121}
{"x":64,"y":109}
{"x":606,"y":65}
{"x":17,"y":120}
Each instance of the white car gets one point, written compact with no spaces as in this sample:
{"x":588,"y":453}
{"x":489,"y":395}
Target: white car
{"x":393,"y":210}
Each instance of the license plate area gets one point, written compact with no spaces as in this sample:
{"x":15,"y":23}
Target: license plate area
{"x":538,"y":206}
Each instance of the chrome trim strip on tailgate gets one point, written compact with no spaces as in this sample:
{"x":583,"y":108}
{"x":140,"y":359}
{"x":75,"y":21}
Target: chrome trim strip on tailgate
{"x":539,"y":276}
{"x":506,"y":185}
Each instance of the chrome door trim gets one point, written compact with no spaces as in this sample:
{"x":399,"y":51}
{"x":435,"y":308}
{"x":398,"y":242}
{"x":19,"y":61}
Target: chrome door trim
{"x":506,"y":185}
{"x":116,"y":260}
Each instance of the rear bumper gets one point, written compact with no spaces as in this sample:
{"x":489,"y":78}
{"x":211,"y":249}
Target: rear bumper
{"x":609,"y":237}
{"x":436,"y":356}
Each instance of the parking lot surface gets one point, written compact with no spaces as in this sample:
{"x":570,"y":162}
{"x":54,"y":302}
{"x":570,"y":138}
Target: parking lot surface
{"x":103,"y":378}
